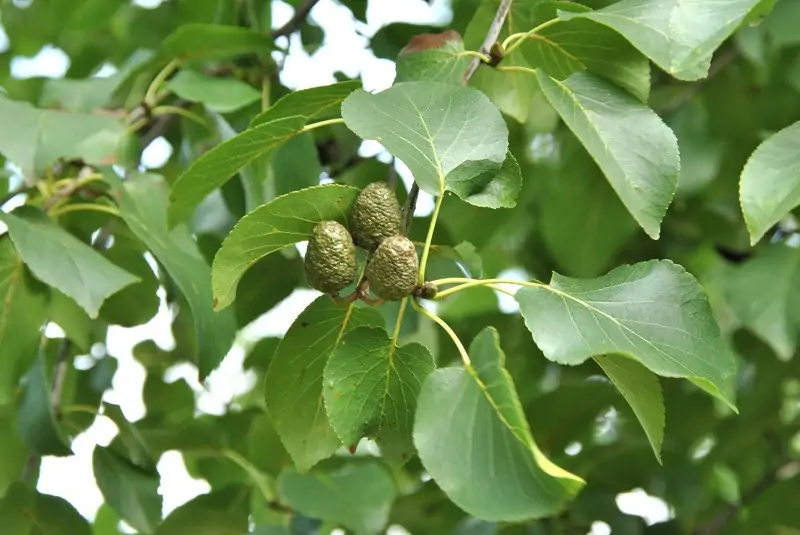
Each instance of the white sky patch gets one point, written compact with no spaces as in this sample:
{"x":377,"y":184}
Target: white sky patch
{"x":600,"y":528}
{"x":4,"y":42}
{"x":157,"y":154}
{"x":638,"y":503}
{"x":49,"y":62}
{"x":147,"y":4}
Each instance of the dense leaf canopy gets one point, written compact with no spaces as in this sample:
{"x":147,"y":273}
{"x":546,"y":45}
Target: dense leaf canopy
{"x":608,"y":293}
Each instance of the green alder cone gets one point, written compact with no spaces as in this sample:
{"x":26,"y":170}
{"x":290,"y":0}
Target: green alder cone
{"x":330,"y":262}
{"x":376,"y":216}
{"x":392,"y":271}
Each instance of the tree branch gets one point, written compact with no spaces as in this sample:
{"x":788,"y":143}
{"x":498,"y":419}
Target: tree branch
{"x":491,"y":38}
{"x":300,"y":15}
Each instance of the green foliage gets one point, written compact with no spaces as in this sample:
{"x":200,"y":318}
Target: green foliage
{"x":605,"y":295}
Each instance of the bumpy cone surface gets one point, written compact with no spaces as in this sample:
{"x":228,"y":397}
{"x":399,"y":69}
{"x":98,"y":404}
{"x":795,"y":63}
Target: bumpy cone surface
{"x":376,"y":216}
{"x":330,"y":262}
{"x":392,"y":271}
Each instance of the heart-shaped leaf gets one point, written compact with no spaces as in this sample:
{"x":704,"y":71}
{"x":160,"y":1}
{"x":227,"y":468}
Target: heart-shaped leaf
{"x":446,"y":134}
{"x":371,"y":388}
{"x":653,"y":311}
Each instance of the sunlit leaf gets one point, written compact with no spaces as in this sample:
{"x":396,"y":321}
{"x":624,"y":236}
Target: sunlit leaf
{"x":451,"y":137}
{"x":61,"y":260}
{"x":654,"y":312}
{"x":680,"y":36}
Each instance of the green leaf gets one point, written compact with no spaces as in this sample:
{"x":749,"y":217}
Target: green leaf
{"x":34,"y":138}
{"x":576,"y":45}
{"x":490,"y":188}
{"x":142,"y":202}
{"x":637,"y":152}
{"x":24,"y":511}
{"x":680,"y":36}
{"x":371,"y":387}
{"x":85,"y":388}
{"x":764,"y":293}
{"x":450,"y":137}
{"x":770,"y":182}
{"x":264,"y":446}
{"x":138,"y":303}
{"x":284,"y":120}
{"x":36,"y":420}
{"x":358,"y":496}
{"x":642,"y":391}
{"x":311,"y":103}
{"x":22,"y":316}
{"x":294,"y":381}
{"x":470,"y":429}
{"x":106,"y":521}
{"x":59,"y":259}
{"x":14,"y":454}
{"x":296,"y":165}
{"x":434,"y":58}
{"x":68,"y":315}
{"x":204,"y":41}
{"x":137,"y":449}
{"x":583,"y":232}
{"x":652,"y":311}
{"x":168,"y":404}
{"x":129,"y":489}
{"x":221,"y":512}
{"x":701,"y":152}
{"x":284,"y":221}
{"x":88,"y":94}
{"x":222,"y":95}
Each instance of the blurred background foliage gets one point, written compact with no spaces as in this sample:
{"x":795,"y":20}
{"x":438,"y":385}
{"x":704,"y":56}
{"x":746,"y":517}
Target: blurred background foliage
{"x":721,"y":473}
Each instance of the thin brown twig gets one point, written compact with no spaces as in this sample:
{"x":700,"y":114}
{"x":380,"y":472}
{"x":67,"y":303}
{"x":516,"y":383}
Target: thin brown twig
{"x":300,"y":15}
{"x":491,"y":38}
